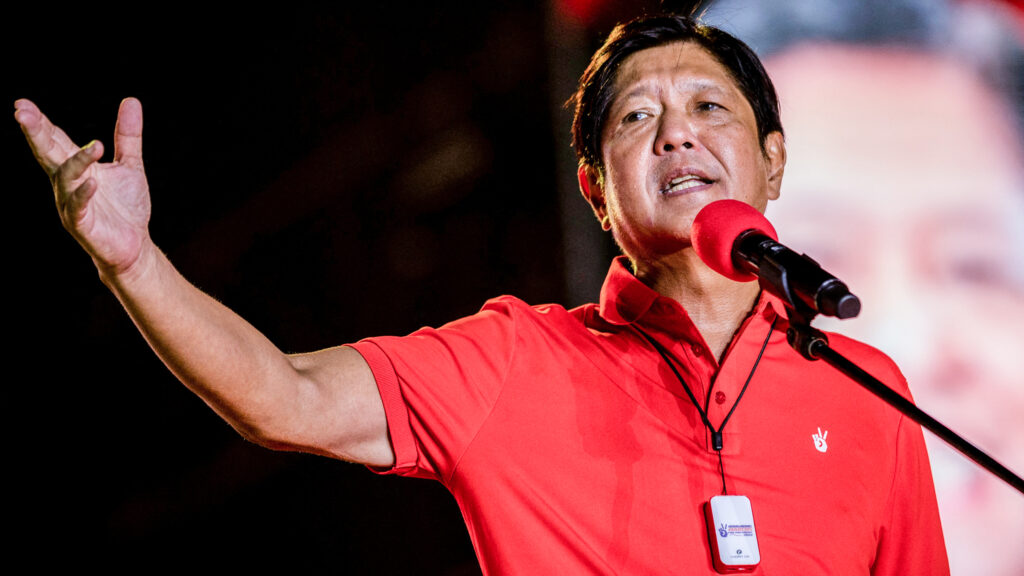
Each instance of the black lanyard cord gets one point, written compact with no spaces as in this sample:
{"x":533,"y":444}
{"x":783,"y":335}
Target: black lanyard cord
{"x":717,"y":442}
{"x":764,"y":345}
{"x":664,"y":356}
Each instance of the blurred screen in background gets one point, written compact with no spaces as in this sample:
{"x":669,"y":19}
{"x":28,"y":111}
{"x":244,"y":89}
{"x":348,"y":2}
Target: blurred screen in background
{"x":906,"y":180}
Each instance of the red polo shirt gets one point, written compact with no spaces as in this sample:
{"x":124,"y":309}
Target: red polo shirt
{"x":572,"y":448}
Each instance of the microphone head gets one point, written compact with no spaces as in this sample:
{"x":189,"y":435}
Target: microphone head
{"x":715,"y":230}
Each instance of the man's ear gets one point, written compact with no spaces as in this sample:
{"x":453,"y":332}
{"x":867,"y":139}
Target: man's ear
{"x":592,"y":188}
{"x":775,"y":153}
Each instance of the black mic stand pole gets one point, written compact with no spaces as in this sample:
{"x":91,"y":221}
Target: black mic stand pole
{"x":812,"y":344}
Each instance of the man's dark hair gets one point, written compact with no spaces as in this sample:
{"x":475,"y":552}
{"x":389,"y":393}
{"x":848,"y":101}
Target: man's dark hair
{"x":596,"y":89}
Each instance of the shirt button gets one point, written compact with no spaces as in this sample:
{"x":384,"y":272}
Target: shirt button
{"x":720,"y":397}
{"x":697,"y":351}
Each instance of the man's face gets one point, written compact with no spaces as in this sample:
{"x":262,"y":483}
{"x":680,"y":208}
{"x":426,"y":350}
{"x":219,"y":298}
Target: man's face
{"x":678,"y":135}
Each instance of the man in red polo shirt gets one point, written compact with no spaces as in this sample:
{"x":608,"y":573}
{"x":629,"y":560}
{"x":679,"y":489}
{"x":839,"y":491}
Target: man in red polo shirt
{"x":582,"y":441}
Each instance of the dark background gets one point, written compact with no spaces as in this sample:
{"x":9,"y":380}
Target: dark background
{"x":329,"y":175}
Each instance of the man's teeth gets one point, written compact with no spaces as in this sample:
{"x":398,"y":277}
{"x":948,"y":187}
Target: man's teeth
{"x":685,"y":182}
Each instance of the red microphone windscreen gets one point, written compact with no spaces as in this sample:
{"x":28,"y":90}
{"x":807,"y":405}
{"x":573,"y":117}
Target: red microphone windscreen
{"x":715,"y":230}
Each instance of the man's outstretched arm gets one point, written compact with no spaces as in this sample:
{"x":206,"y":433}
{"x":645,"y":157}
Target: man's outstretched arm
{"x":324,"y":402}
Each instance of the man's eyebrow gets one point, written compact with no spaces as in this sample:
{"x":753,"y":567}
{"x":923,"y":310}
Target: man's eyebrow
{"x":646,"y":87}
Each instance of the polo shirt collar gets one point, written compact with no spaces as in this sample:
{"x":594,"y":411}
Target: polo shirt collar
{"x":625,"y":299}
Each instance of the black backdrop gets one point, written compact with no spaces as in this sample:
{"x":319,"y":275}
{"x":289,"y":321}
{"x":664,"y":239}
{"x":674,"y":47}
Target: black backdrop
{"x":329,"y":175}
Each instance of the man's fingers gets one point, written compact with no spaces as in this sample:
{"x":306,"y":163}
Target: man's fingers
{"x":75,"y":167}
{"x":77,"y":199}
{"x":50,"y":145}
{"x":128,"y":133}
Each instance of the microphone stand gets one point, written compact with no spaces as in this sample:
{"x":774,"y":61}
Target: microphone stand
{"x":812,"y":344}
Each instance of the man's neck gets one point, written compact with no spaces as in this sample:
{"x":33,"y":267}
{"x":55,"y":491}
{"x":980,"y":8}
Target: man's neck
{"x":716,"y":305}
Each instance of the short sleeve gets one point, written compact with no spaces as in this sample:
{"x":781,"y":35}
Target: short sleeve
{"x":438,"y":385}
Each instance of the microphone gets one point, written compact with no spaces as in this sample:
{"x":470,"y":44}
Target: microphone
{"x":737,"y":241}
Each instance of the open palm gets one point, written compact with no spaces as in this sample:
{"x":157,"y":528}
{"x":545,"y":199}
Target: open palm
{"x":105,"y":206}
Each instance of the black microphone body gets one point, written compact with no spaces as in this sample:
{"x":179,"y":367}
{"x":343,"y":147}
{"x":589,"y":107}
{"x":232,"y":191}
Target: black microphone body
{"x":795,"y":278}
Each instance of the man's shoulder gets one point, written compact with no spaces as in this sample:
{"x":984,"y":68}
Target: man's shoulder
{"x":536,"y":323}
{"x":513,"y":308}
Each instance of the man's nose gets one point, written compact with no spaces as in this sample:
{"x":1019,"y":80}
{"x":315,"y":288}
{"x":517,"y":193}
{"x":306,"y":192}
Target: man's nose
{"x":675,"y":132}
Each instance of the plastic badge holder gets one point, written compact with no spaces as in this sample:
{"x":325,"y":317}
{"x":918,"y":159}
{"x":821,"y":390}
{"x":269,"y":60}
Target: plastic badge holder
{"x":732,"y":535}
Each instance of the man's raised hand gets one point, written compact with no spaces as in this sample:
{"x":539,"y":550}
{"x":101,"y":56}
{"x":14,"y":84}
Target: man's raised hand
{"x":105,"y":206}
{"x":325,"y":402}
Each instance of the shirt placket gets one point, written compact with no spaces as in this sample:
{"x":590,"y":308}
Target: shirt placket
{"x":727,"y":385}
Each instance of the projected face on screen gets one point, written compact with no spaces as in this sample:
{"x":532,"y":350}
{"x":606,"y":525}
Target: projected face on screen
{"x":905,"y":180}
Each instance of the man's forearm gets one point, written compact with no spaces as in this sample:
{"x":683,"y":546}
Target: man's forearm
{"x":213,"y":351}
{"x":317,"y":402}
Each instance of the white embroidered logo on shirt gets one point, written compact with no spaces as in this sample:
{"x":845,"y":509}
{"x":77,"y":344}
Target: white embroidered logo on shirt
{"x":819,"y":441}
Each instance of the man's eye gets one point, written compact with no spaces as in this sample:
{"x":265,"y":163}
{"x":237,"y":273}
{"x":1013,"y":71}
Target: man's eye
{"x":709,"y":106}
{"x":635,"y":116}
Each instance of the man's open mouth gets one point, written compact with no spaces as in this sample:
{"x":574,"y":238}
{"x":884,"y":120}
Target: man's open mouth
{"x":683,"y":183}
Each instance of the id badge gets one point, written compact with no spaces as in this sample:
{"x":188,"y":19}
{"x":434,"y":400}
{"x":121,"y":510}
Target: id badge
{"x":732,"y":535}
